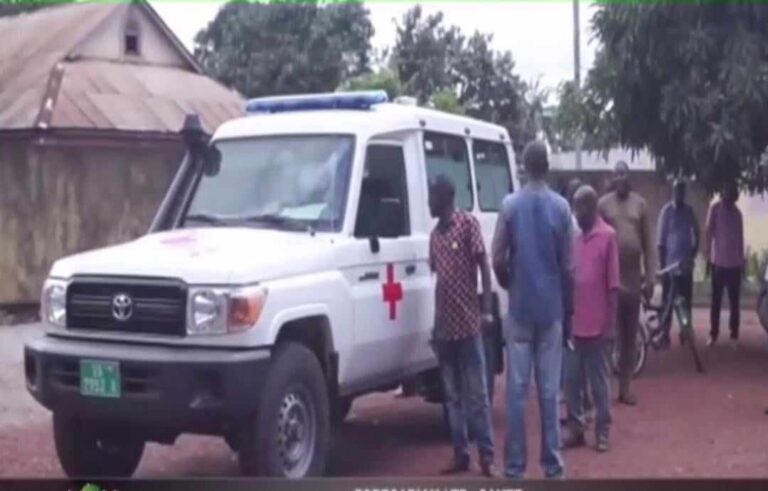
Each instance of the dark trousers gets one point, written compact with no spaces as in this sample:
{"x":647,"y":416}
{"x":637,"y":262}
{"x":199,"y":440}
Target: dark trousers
{"x":684,"y":286}
{"x":628,"y":324}
{"x":462,"y":367}
{"x":587,"y":367}
{"x":722,"y":279}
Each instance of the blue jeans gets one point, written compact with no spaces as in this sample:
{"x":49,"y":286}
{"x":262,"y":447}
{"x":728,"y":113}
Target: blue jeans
{"x":586,"y":365}
{"x":543,"y":352}
{"x":462,"y":367}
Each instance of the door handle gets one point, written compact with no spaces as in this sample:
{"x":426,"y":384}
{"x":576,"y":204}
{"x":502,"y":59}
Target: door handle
{"x":369,"y":276}
{"x":410,"y":269}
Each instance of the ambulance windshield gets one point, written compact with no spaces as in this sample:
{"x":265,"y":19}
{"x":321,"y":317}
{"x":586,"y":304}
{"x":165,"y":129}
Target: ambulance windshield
{"x":286,"y":182}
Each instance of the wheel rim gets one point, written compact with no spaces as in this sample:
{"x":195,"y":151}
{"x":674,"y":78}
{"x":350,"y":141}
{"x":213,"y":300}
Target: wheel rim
{"x":296,"y":433}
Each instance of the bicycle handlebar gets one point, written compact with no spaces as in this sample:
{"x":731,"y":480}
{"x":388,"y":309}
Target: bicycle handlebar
{"x":669,"y":270}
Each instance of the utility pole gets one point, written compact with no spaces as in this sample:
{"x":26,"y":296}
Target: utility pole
{"x":577,"y":70}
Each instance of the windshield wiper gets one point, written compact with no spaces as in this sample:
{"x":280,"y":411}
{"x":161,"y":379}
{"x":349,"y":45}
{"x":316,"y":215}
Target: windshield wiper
{"x":278,"y":220}
{"x":206,"y":218}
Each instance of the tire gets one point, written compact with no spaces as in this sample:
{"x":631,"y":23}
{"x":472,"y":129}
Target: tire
{"x":762,"y":310}
{"x":641,"y":351}
{"x":290,"y":434}
{"x":343,"y":407}
{"x":691,"y":342}
{"x":688,"y":334}
{"x":696,"y":357}
{"x":95,"y":449}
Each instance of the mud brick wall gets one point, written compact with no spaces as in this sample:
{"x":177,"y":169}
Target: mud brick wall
{"x":60,"y":199}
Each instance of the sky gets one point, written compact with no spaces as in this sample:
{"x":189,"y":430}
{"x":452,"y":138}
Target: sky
{"x":538,"y":33}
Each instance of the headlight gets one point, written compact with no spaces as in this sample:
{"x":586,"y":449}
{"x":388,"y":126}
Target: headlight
{"x":221,"y":311}
{"x":53,"y":302}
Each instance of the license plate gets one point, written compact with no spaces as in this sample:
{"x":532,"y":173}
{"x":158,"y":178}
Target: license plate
{"x":100,"y":378}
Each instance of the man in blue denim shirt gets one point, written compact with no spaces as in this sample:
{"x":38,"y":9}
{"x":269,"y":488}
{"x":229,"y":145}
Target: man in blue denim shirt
{"x":532,"y":259}
{"x":678,"y":242}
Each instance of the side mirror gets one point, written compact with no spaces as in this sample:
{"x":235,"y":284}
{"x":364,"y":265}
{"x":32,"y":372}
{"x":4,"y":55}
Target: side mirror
{"x":212,"y":164}
{"x":373,"y":241}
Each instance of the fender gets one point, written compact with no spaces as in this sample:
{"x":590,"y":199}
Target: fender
{"x":303,"y":312}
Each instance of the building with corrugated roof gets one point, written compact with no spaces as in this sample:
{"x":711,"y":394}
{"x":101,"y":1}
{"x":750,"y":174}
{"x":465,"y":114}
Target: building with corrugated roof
{"x":92,"y":96}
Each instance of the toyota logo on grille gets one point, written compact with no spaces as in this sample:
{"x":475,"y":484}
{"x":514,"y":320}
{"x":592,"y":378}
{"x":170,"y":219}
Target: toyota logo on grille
{"x":122,"y":306}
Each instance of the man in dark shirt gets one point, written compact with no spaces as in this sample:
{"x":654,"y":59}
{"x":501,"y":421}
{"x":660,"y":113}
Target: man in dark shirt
{"x":456,"y":253}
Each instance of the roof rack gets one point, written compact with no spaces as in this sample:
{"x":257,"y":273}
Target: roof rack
{"x":310,"y":102}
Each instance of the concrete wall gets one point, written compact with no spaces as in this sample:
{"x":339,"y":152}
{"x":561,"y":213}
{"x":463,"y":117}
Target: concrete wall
{"x":59,"y":200}
{"x":656,"y":191}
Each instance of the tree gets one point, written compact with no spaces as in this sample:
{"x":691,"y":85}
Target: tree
{"x":488,"y":86}
{"x":14,"y":7}
{"x":278,"y":48}
{"x":689,"y":82}
{"x":446,"y":100}
{"x":439,"y":65}
{"x":424,"y":54}
{"x":383,"y":79}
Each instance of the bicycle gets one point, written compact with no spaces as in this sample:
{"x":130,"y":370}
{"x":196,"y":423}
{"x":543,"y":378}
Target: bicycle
{"x":651,"y":331}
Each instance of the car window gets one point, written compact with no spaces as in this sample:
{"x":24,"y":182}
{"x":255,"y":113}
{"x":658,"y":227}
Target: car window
{"x":492,"y":173}
{"x":383,"y":208}
{"x":447,"y":155}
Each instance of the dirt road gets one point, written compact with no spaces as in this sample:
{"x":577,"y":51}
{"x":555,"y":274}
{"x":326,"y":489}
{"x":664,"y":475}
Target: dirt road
{"x":687,"y":424}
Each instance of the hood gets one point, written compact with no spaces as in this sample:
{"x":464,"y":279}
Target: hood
{"x":207,"y":256}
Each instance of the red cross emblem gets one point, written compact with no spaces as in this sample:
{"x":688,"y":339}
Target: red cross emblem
{"x":392,"y":292}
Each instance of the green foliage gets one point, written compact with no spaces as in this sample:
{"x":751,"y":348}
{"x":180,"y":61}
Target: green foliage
{"x":279,"y":48}
{"x":424,"y":53}
{"x":688,"y":81}
{"x":490,"y":90}
{"x":384,"y":79}
{"x":433,"y":60}
{"x":446,"y":100}
{"x":757,"y":261}
{"x":14,"y":7}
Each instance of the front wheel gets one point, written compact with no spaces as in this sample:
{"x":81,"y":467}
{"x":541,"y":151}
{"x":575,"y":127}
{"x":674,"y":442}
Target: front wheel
{"x":95,"y":449}
{"x":688,"y":335}
{"x":289,"y":436}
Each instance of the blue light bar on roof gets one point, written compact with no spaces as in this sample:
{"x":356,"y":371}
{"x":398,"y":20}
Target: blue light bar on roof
{"x":313,"y":102}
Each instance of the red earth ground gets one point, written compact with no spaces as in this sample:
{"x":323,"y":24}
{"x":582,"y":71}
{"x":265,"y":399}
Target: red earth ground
{"x":687,"y":425}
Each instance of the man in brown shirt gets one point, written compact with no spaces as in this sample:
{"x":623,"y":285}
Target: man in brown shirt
{"x":627,"y":212}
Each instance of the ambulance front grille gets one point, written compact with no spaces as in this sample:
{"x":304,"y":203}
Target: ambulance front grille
{"x":153,"y":306}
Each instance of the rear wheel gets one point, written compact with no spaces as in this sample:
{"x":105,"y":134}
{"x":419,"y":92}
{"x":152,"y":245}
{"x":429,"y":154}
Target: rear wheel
{"x":95,"y":449}
{"x":289,"y":436}
{"x":641,"y":351}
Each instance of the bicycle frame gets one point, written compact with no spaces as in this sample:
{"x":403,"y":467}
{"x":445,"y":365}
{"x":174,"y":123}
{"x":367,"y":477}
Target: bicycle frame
{"x":673,"y":307}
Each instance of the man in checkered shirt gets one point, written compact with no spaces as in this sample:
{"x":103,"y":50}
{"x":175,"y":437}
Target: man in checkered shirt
{"x":456,"y":252}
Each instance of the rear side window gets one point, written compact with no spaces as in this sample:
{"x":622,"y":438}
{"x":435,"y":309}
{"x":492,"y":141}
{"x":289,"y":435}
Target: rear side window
{"x":494,"y":180}
{"x":447,"y":155}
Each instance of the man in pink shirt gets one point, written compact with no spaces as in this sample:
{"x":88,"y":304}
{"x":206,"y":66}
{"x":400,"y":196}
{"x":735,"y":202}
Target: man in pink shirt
{"x":596,"y":288}
{"x":724,"y":248}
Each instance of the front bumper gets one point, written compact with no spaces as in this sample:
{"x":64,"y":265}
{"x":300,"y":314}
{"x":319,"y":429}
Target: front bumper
{"x":185,"y":388}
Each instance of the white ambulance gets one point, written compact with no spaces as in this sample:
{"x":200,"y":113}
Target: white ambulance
{"x":285,"y":274}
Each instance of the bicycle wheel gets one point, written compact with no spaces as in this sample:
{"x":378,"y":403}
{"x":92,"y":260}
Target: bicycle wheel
{"x":641,"y":350}
{"x":687,"y":332}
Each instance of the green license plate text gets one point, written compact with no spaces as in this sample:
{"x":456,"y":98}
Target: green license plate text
{"x":100,"y":378}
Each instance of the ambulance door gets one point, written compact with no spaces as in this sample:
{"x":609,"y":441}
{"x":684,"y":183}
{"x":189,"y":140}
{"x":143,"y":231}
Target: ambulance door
{"x":387,"y":272}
